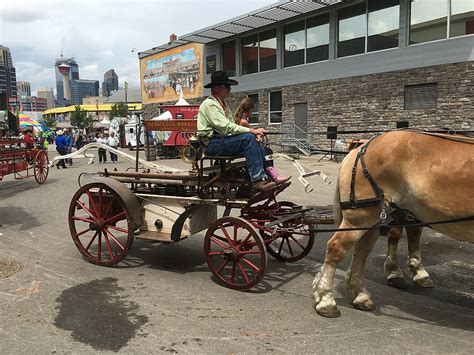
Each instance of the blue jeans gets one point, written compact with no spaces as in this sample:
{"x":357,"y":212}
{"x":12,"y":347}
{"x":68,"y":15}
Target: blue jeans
{"x":243,"y":145}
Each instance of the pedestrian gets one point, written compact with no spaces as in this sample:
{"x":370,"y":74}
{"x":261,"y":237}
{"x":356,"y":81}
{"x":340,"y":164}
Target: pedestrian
{"x":113,"y":142}
{"x":69,"y":143}
{"x":231,"y":138}
{"x":102,"y":151}
{"x":61,"y":148}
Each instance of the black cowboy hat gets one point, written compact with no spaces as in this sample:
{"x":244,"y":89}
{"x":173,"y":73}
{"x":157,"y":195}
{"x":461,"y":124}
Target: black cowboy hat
{"x":220,"y":77}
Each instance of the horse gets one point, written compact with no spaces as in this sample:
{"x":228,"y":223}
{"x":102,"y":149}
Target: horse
{"x":429,"y":175}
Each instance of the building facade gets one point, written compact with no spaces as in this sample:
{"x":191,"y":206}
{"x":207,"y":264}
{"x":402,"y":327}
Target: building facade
{"x":7,"y":73}
{"x":357,"y":65}
{"x":23,"y":88}
{"x":110,"y":82}
{"x":82,"y":88}
{"x":48,"y":94}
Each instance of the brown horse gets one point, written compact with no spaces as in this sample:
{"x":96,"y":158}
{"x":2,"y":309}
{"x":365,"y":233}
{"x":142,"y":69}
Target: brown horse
{"x":430,"y":176}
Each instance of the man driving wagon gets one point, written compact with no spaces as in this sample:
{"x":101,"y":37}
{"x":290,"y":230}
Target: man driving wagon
{"x":227,"y":138}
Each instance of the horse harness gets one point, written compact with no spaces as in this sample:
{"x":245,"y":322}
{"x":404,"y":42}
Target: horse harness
{"x":402,"y":216}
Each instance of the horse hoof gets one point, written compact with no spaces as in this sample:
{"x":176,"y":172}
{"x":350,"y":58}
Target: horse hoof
{"x":364,"y":304}
{"x":398,"y":282}
{"x":425,"y":282}
{"x":328,"y":311}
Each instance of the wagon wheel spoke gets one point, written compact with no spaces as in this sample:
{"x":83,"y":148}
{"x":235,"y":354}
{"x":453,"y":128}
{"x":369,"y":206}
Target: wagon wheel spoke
{"x":227,"y":236}
{"x":118,"y":217}
{"x":82,"y":219}
{"x":91,"y":241}
{"x":289,"y":247}
{"x":99,"y":211}
{"x":296,"y":241}
{"x":83,"y":206}
{"x":215,"y":253}
{"x":118,"y":228}
{"x":247,"y":252}
{"x":218,"y":242}
{"x":249,"y":263}
{"x":92,"y":201}
{"x":114,"y":239}
{"x":245,"y":241}
{"x":82,"y":232}
{"x":280,"y":248}
{"x":242,"y":271}
{"x":109,"y":206}
{"x":109,"y":248}
{"x":219,"y":269}
{"x":99,"y":246}
{"x":232,"y":274}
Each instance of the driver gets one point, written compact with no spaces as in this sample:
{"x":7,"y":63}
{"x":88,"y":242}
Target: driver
{"x":231,"y":138}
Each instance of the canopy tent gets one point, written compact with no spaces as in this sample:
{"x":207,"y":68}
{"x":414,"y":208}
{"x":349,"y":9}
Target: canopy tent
{"x":27,"y":122}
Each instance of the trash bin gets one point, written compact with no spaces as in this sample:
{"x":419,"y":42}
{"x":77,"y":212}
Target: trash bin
{"x":150,"y":153}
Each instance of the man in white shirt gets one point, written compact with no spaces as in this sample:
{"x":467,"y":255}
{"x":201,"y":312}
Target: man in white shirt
{"x":113,"y":142}
{"x":102,"y":151}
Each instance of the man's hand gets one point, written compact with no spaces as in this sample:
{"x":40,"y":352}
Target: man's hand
{"x":258,"y":131}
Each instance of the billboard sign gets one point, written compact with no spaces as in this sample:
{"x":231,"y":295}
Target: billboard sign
{"x":168,"y":74}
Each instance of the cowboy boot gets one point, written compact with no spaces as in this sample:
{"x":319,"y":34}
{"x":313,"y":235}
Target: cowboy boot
{"x":273,"y":173}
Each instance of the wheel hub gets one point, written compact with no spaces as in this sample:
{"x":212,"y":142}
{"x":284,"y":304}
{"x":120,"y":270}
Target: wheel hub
{"x":96,"y":225}
{"x":231,"y":254}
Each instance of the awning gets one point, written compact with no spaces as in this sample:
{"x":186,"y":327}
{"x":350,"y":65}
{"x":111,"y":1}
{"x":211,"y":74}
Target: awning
{"x":279,"y":11}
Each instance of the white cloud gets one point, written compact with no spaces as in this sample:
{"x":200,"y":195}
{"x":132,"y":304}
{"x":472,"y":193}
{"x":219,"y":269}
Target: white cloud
{"x":101,"y":34}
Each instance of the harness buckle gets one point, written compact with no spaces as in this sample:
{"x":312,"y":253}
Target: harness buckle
{"x":366,"y":172}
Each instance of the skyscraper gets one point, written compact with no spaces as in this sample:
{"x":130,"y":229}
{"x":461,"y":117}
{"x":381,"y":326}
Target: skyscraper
{"x":46,"y":93}
{"x":73,"y":75}
{"x":7,"y":73}
{"x":110,"y":82}
{"x":23,"y":88}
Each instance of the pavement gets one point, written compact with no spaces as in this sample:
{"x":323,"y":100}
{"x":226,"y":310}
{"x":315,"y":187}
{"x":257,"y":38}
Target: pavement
{"x":163,"y":298}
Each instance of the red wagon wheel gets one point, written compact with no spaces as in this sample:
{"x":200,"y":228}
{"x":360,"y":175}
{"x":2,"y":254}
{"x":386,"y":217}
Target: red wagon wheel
{"x":41,"y":167}
{"x":289,"y":246}
{"x":235,"y":253}
{"x":100,"y":224}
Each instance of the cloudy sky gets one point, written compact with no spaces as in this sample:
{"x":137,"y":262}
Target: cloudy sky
{"x":101,"y":34}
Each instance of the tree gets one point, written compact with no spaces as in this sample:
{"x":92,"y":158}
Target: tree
{"x":118,"y":110}
{"x":81,"y":120}
{"x":50,"y":122}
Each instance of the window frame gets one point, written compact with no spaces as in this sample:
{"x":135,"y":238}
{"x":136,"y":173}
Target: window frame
{"x":235,"y":57}
{"x":269,"y":108}
{"x":241,"y":51}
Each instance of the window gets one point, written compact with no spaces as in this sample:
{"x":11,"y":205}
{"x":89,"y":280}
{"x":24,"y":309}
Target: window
{"x":259,"y":52}
{"x":421,"y":97}
{"x":250,"y":54}
{"x":294,"y":44}
{"x":228,"y":58}
{"x":317,"y":38}
{"x":267,"y":50}
{"x":253,"y":119}
{"x":428,"y":20}
{"x":352,"y":30}
{"x":462,"y":18}
{"x":383,"y":24}
{"x":275,"y":107}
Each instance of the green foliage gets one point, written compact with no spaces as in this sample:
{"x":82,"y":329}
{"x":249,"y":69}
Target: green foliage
{"x":81,"y":120}
{"x":50,"y":122}
{"x":118,"y":110}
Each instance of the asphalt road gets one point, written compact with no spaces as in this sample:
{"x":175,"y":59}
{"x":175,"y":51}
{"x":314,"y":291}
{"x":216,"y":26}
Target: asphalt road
{"x":163,"y":298}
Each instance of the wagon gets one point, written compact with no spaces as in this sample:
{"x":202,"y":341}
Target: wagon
{"x":111,"y":209}
{"x":22,"y":159}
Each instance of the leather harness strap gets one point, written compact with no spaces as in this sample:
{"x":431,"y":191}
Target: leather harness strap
{"x":379,"y":194}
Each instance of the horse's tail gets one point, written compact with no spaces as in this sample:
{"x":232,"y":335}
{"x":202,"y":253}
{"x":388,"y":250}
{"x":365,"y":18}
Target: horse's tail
{"x":337,"y":204}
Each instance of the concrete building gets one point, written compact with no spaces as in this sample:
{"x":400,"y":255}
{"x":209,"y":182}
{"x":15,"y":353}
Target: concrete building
{"x":23,"y":88}
{"x":354,"y":64}
{"x":48,"y":94}
{"x":73,"y":74}
{"x":110,"y":82}
{"x":7,"y":73}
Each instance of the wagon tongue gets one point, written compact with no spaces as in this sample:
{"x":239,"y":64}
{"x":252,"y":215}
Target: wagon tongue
{"x":287,"y":217}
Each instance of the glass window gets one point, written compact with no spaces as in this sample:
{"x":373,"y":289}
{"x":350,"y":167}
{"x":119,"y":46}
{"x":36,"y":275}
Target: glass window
{"x":228,"y":58}
{"x":462,"y":18}
{"x":267,"y":50}
{"x":275,"y":109}
{"x":383,"y":24}
{"x":352,"y":30}
{"x":317,"y":38}
{"x":250,"y":54}
{"x":253,"y":119}
{"x":294,"y":44}
{"x":428,"y":20}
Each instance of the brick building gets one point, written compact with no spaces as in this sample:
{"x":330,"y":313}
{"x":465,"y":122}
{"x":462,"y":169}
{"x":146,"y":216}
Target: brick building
{"x":354,"y":64}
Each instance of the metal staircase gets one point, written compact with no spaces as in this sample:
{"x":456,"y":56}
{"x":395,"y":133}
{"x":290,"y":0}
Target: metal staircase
{"x":298,"y":139}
